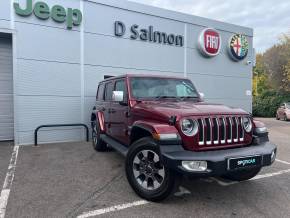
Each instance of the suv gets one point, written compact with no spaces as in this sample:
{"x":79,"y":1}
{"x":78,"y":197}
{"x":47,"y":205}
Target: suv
{"x":165,"y":130}
{"x":283,"y":112}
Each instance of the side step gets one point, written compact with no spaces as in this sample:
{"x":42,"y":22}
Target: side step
{"x":114,"y":144}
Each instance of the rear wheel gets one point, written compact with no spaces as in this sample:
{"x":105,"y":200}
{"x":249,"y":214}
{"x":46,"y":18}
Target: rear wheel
{"x":242,"y":175}
{"x":277,"y":117}
{"x":148,"y":177}
{"x":98,"y":143}
{"x":285,"y":117}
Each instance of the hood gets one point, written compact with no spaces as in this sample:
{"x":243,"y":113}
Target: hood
{"x":166,"y":109}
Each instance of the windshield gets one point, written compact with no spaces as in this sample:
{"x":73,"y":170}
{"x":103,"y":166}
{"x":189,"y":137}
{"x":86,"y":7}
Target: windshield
{"x":288,"y":105}
{"x":163,"y":88}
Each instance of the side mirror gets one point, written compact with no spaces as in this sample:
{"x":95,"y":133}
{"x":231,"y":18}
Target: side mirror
{"x":201,"y":95}
{"x":118,"y":96}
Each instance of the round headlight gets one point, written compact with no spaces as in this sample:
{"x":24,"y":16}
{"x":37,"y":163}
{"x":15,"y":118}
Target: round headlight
{"x":189,"y":127}
{"x":247,"y":123}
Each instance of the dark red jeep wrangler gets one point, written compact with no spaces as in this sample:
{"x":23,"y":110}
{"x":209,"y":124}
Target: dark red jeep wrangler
{"x":165,"y":130}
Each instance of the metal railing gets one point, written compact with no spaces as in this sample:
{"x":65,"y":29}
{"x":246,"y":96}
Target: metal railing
{"x":59,"y":125}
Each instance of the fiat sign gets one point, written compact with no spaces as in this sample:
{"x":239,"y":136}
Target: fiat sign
{"x":210,"y":42}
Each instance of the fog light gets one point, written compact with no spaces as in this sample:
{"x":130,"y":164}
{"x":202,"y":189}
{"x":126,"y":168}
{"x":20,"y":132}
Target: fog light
{"x":273,"y":156}
{"x":197,"y":166}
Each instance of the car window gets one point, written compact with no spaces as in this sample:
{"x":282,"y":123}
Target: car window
{"x":162,"y":87}
{"x":101,"y":92}
{"x":121,"y":86}
{"x":109,"y":91}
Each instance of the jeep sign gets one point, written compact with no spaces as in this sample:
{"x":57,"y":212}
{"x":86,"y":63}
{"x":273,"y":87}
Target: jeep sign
{"x":72,"y":17}
{"x":209,"y":42}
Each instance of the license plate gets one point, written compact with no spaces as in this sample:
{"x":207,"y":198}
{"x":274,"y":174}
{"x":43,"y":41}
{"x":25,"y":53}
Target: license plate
{"x":244,"y":162}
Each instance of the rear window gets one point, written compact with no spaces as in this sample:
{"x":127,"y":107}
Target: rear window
{"x":101,"y":89}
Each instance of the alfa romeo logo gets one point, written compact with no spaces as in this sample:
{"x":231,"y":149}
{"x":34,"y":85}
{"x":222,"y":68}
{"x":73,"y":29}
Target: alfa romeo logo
{"x":238,"y":47}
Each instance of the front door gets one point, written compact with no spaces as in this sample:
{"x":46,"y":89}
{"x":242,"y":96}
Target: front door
{"x":119,"y":114}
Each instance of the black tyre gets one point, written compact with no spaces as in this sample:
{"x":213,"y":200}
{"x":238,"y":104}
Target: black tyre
{"x":98,"y":144}
{"x":242,"y":175}
{"x":148,"y":177}
{"x":277,"y":117}
{"x":285,"y":117}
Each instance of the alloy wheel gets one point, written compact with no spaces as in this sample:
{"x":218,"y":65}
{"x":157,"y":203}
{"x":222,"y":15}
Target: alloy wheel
{"x":94,"y":132}
{"x":148,"y":170}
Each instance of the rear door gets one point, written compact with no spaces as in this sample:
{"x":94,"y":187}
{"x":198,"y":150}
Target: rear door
{"x":119,"y":114}
{"x":109,"y":86}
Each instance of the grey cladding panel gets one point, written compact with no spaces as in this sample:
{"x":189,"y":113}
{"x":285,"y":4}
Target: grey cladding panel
{"x":44,"y":43}
{"x":41,"y":110}
{"x":4,"y":10}
{"x":118,"y":52}
{"x":219,"y":87}
{"x":4,"y":24}
{"x":219,"y":65}
{"x":48,"y":78}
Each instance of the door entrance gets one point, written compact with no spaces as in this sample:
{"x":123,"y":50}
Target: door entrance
{"x":6,"y":88}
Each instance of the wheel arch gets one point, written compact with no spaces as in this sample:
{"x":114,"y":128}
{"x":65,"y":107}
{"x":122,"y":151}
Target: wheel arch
{"x":141,"y":129}
{"x":138,"y":132}
{"x":99,"y":117}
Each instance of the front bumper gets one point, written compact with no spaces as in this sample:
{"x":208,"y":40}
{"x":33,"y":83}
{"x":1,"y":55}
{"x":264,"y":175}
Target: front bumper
{"x":217,"y":161}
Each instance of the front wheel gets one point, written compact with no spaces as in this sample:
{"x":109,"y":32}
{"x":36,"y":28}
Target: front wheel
{"x":242,"y":175}
{"x":146,"y":174}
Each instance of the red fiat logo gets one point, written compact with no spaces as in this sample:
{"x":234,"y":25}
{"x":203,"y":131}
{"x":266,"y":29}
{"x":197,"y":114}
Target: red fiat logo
{"x":210,"y":42}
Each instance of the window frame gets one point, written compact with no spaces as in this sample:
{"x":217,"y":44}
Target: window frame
{"x":103,"y":95}
{"x":126,"y":97}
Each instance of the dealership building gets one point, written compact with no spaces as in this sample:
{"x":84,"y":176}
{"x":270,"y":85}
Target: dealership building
{"x":54,"y":53}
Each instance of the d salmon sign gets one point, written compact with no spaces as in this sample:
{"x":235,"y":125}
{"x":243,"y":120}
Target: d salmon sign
{"x":210,"y":42}
{"x":238,"y":47}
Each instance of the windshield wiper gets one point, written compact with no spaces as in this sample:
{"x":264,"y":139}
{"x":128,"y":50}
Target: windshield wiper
{"x":189,"y":97}
{"x":165,"y":96}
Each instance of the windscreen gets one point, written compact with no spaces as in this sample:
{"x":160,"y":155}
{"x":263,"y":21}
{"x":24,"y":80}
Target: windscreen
{"x":162,"y":88}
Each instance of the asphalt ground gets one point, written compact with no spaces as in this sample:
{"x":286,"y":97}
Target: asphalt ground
{"x":5,"y":155}
{"x":72,"y":180}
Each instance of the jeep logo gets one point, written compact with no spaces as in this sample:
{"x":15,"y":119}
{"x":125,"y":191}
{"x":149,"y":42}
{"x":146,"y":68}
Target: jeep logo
{"x":72,"y":17}
{"x":246,"y":162}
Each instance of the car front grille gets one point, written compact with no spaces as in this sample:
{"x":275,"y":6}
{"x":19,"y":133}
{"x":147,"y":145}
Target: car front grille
{"x":220,"y":130}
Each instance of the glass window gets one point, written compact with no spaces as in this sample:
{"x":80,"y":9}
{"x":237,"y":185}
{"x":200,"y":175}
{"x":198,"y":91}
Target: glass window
{"x":288,"y":105}
{"x":109,"y":91}
{"x":121,"y":86}
{"x":162,"y":88}
{"x":101,"y":92}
